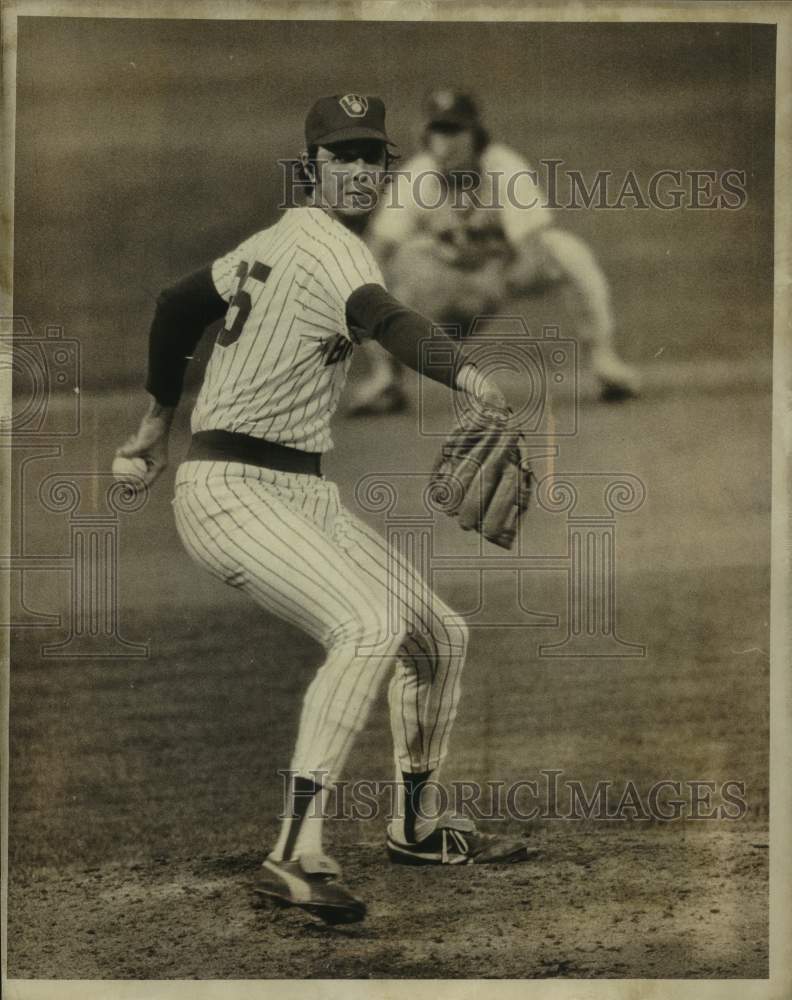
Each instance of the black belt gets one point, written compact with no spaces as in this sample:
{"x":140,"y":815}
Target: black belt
{"x":228,"y":446}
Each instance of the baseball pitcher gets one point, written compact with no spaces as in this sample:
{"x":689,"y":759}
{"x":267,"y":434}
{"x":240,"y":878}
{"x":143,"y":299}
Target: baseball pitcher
{"x":253,"y":508}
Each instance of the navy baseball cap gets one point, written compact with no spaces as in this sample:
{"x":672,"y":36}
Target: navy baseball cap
{"x":340,"y":118}
{"x":450,"y":107}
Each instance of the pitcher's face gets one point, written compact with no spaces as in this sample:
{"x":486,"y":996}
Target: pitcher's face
{"x":350,"y":176}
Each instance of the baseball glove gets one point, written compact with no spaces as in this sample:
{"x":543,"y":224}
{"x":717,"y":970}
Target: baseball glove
{"x":483,"y":476}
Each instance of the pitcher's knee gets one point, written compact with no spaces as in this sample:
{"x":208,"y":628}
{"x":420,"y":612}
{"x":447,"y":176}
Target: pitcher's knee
{"x":382,"y":641}
{"x":378,"y":636}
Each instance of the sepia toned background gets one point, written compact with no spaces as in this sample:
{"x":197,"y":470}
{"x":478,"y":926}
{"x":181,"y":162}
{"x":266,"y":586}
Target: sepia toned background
{"x":146,"y":148}
{"x":143,"y":790}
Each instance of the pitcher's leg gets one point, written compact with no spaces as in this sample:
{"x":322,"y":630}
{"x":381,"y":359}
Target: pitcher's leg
{"x":557,"y":256}
{"x":246,"y":535}
{"x":424,"y":690}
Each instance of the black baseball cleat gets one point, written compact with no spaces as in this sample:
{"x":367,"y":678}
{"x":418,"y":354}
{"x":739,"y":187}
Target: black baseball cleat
{"x":617,"y":380}
{"x":456,"y":841}
{"x":312,"y":883}
{"x":616,"y":392}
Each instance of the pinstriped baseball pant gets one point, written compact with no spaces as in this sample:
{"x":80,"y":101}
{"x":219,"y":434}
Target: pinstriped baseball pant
{"x":287,"y":541}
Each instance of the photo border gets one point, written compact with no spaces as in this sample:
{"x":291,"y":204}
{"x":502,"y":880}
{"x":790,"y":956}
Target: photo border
{"x":779,"y":983}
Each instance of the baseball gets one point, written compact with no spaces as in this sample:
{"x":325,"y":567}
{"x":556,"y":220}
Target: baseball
{"x":125,"y":469}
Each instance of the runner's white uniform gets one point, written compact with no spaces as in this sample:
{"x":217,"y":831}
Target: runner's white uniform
{"x":451,"y":251}
{"x":285,"y":539}
{"x":507,"y":206}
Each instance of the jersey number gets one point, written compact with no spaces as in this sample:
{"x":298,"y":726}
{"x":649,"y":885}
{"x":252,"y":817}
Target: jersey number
{"x":241,"y":304}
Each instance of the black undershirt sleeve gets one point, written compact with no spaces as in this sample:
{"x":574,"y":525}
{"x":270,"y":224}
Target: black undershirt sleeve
{"x":401,"y":331}
{"x":182,"y":314}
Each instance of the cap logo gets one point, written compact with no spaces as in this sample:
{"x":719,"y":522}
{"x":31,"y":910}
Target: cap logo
{"x":354,"y":105}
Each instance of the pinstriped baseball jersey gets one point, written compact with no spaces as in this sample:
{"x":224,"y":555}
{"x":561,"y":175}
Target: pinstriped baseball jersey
{"x":281,"y":360}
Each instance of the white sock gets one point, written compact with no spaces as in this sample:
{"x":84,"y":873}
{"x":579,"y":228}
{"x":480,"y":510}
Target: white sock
{"x":301,"y":828}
